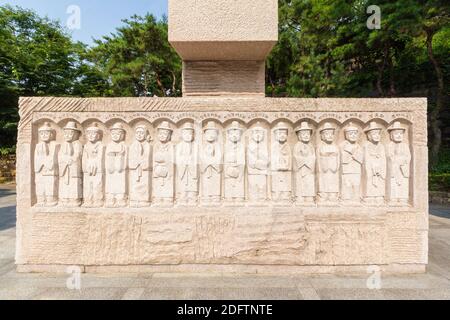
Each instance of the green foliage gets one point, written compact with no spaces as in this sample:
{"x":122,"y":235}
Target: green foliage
{"x":6,"y":151}
{"x":36,"y":58}
{"x":439,"y":182}
{"x":138,"y":59}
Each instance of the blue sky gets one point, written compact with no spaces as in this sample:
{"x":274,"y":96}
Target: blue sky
{"x":98,"y":17}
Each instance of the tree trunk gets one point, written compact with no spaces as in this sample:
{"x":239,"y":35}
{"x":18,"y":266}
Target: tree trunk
{"x":392,"y":91}
{"x":381,"y":73}
{"x":435,"y":113}
{"x":160,"y":85}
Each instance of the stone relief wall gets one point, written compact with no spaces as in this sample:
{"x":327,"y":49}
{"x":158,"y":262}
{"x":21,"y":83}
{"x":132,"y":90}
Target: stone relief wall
{"x":222,"y":184}
{"x":161,"y":163}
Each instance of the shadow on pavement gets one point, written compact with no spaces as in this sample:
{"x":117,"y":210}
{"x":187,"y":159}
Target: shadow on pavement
{"x":5,"y":192}
{"x":7,"y":218}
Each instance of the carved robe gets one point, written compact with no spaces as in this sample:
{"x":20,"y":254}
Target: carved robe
{"x":328,"y":168}
{"x":352,"y":159}
{"x":116,"y":165}
{"x":46,"y":170}
{"x":399,"y":160}
{"x":187,"y":167}
{"x":211,"y":169}
{"x":234,"y":167}
{"x":163,"y":171}
{"x":139,"y":164}
{"x":93,"y":169}
{"x":304,"y":168}
{"x":70,"y":171}
{"x":374,"y":170}
{"x":281,"y":168}
{"x":257,"y":169}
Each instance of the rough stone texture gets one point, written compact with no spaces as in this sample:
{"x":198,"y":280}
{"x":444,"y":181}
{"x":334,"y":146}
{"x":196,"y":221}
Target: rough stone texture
{"x":223,"y":44}
{"x":439,"y":197}
{"x":218,"y":78}
{"x":7,"y":168}
{"x":220,"y":30}
{"x":291,"y":239}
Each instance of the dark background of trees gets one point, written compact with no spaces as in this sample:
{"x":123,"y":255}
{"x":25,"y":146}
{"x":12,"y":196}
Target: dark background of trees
{"x":325,"y":50}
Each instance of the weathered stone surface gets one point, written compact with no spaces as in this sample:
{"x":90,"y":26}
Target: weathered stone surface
{"x":278,"y":234}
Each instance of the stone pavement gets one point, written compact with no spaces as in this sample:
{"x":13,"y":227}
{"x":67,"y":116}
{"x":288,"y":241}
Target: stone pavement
{"x":435,"y":284}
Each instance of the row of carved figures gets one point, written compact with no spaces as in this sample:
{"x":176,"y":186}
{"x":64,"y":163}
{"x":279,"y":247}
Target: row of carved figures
{"x":164,"y":173}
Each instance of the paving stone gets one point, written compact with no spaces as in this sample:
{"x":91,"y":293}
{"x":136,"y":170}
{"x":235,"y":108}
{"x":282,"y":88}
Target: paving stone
{"x":261,"y":294}
{"x":350,"y":294}
{"x":230,"y":282}
{"x":83,"y":294}
{"x":133,"y":294}
{"x":309,"y":294}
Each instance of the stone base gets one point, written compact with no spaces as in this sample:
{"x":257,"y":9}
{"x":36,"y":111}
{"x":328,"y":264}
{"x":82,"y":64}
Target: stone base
{"x":211,"y":269}
{"x":271,"y":238}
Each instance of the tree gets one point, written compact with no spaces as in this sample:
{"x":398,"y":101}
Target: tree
{"x":37,"y":58}
{"x":138,"y":59}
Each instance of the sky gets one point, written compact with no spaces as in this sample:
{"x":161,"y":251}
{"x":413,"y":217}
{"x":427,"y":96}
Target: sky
{"x":97,"y":17}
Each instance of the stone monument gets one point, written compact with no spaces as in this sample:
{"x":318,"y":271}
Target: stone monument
{"x":223,"y":179}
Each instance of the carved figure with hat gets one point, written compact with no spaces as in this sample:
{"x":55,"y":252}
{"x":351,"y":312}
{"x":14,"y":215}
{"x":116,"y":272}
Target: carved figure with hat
{"x":258,"y":162}
{"x":211,"y":163}
{"x":352,"y":157}
{"x":375,"y":166}
{"x":139,"y":165}
{"x":116,"y":167}
{"x":328,"y":165}
{"x":46,"y":167}
{"x":164,"y":167}
{"x":187,"y":176}
{"x":304,"y":165}
{"x":399,"y":165}
{"x":70,"y":167}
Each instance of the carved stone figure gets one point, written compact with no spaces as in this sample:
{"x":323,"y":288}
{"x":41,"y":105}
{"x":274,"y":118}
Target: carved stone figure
{"x":211,"y":159}
{"x":139,"y":165}
{"x":328,"y":165}
{"x":93,"y":168}
{"x":164,"y":167}
{"x":187,"y":166}
{"x":399,"y":164}
{"x":116,"y":168}
{"x":281,"y":165}
{"x":234,"y":165}
{"x":304,"y":165}
{"x":70,"y":167}
{"x":351,"y":161}
{"x":374,"y":166}
{"x":46,"y":167}
{"x":257,"y":165}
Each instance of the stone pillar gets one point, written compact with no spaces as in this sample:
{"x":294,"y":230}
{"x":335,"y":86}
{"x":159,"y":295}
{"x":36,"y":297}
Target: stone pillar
{"x":223,"y":44}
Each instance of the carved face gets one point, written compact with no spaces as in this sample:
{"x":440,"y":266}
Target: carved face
{"x":258,"y":135}
{"x":397,"y":135}
{"x":234,"y":135}
{"x":117,"y":135}
{"x":352,"y":136}
{"x":93,"y":136}
{"x":304,"y":136}
{"x":374,"y":136}
{"x":328,"y":135}
{"x":70,"y":135}
{"x":187,"y":135}
{"x":45,"y":136}
{"x":281,"y":135}
{"x":141,"y":134}
{"x":211,"y":135}
{"x":164,"y":135}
